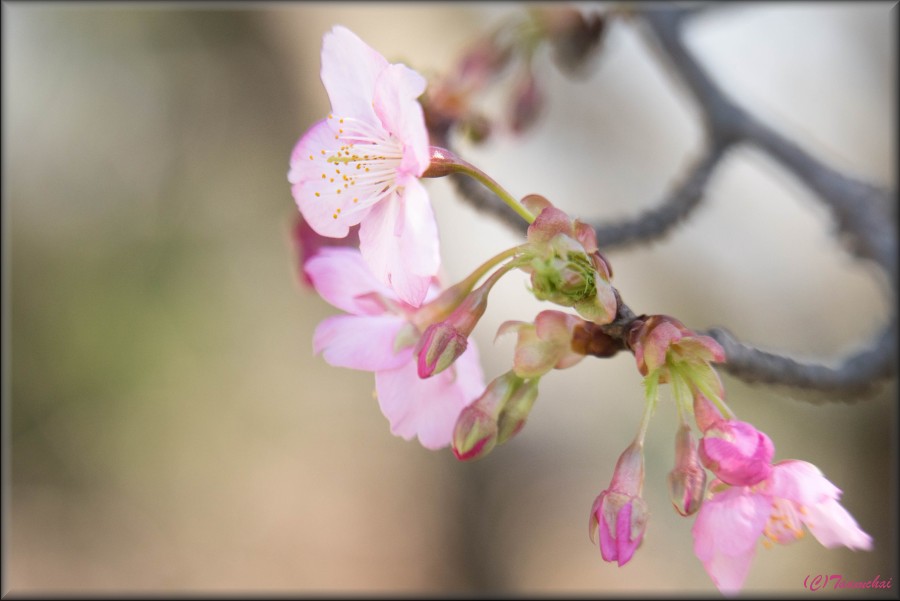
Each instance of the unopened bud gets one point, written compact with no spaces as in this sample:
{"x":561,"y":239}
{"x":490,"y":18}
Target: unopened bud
{"x":515,"y":411}
{"x":475,"y":434}
{"x":476,"y":430}
{"x":444,"y":342}
{"x":528,"y":101}
{"x":619,"y":514}
{"x":688,"y":480}
{"x":441,"y":345}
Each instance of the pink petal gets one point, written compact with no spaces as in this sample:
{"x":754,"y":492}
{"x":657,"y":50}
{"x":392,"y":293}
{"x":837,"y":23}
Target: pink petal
{"x":350,"y":68}
{"x":728,"y":572}
{"x":801,"y":482}
{"x":626,"y":545}
{"x":725,"y":533}
{"x":343,"y":279}
{"x":428,"y":409}
{"x":396,"y":91}
{"x":730,"y":522}
{"x":399,"y":241}
{"x":307,"y":243}
{"x":330,"y":213}
{"x":365,"y":343}
{"x":833,"y":526}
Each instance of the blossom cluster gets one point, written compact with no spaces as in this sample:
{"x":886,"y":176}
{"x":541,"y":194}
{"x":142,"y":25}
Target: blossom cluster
{"x":369,"y":246}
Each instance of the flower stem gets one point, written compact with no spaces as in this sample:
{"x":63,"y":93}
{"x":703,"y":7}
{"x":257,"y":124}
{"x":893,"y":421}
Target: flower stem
{"x":649,"y":407}
{"x":444,"y":162}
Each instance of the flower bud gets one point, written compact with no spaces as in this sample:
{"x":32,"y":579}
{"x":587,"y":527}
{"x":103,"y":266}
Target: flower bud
{"x":516,"y":409}
{"x":619,"y":512}
{"x":687,"y":481}
{"x":528,"y":101}
{"x":476,"y":430}
{"x":737,"y":453}
{"x":442,"y":343}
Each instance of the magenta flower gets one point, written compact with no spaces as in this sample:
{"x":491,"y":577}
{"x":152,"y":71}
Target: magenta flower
{"x":736,"y":452}
{"x":619,"y":512}
{"x":378,"y":336}
{"x":362,"y":165}
{"x":732,"y":519}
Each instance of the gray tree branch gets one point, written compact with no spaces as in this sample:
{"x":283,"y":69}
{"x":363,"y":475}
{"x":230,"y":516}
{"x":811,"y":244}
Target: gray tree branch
{"x":863,"y":214}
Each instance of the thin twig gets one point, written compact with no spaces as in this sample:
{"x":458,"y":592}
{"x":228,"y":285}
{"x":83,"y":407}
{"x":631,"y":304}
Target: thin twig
{"x":863,"y":213}
{"x":658,"y":221}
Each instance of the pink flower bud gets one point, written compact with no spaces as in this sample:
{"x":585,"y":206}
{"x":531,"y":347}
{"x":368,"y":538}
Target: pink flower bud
{"x":516,"y":409}
{"x":475,"y":434}
{"x":737,"y":453}
{"x":619,"y":512}
{"x":476,"y":430}
{"x":687,"y":481}
{"x":441,"y":345}
{"x":443,"y":342}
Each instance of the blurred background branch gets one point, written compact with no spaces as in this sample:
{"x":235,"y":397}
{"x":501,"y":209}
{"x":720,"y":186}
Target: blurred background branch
{"x":864,"y":213}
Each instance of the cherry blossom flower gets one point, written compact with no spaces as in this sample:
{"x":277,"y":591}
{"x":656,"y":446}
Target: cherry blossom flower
{"x":307,"y":243}
{"x":378,"y":335}
{"x":733,"y":518}
{"x":362,"y":165}
{"x":736,"y":452}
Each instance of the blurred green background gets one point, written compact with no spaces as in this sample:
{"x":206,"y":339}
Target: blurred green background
{"x":170,"y":427}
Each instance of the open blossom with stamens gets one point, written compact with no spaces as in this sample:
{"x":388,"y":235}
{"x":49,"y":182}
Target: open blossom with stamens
{"x":734,"y":518}
{"x":362,"y":165}
{"x":379,"y":335}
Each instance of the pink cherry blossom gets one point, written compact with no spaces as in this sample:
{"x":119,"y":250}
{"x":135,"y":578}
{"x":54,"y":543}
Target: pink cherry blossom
{"x":736,"y":452}
{"x":306,"y":243}
{"x":377,"y":335}
{"x":362,"y":165}
{"x":734,"y":518}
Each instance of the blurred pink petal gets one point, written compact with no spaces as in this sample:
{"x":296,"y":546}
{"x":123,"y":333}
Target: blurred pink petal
{"x":428,"y":409}
{"x":356,"y":342}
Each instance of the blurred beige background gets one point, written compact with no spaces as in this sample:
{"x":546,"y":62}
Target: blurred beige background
{"x":170,"y":427}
